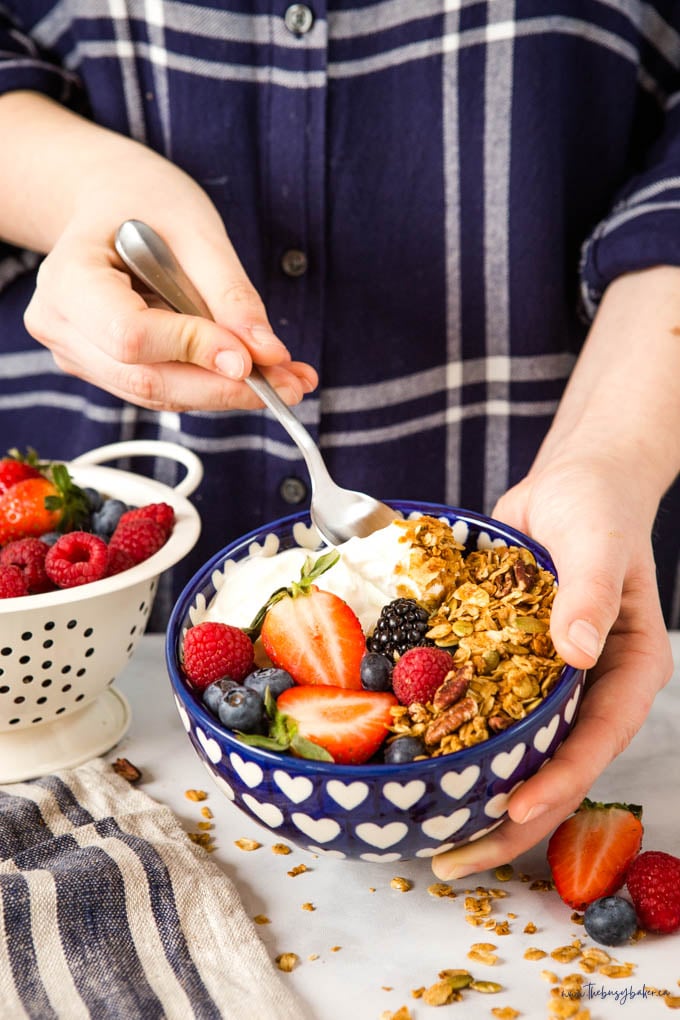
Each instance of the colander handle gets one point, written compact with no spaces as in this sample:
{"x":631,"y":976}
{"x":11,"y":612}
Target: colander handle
{"x":150,"y":448}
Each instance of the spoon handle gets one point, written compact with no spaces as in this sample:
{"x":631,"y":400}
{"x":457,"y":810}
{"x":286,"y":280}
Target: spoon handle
{"x":150,"y":259}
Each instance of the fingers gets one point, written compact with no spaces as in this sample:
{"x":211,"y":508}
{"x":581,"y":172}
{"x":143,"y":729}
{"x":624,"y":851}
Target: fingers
{"x":151,"y":356}
{"x":633,"y":669}
{"x":171,"y":385}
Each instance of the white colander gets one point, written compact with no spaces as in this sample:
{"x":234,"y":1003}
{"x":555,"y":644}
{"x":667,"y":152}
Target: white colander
{"x":60,"y":652}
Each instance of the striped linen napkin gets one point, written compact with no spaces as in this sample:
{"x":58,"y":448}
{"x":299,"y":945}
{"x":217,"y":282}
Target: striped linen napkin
{"x":109,"y":912}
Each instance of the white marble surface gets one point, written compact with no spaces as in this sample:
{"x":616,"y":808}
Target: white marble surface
{"x":375,"y":945}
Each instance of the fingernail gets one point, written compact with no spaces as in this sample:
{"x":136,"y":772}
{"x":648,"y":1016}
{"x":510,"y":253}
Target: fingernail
{"x":264,"y":335}
{"x":231,"y":363}
{"x":535,"y":811}
{"x":451,"y":866}
{"x":584,"y":636}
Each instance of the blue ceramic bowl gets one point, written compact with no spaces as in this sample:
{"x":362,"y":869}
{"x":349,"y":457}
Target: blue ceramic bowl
{"x":370,"y":812}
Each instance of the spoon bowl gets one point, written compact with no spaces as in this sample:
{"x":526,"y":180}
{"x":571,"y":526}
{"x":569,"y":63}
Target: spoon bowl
{"x":338,"y":514}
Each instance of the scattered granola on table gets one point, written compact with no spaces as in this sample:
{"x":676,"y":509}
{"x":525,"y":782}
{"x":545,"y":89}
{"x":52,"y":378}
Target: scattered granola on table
{"x":490,"y":609}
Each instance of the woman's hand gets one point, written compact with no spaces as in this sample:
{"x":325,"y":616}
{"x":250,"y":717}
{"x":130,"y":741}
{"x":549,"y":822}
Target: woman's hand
{"x":585,"y":513}
{"x":85,"y":308}
{"x":591,"y":498}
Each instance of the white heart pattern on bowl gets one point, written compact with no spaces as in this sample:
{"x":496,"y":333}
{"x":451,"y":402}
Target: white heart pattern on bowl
{"x":546,"y":735}
{"x":457,"y":784}
{"x":505,"y":762}
{"x":296,"y":788}
{"x":338,"y":854}
{"x":381,"y":836}
{"x":267,"y":813}
{"x":209,"y":745}
{"x":347,"y":795}
{"x":380,"y":858}
{"x":570,"y":707}
{"x":496,"y":806}
{"x":323,"y":830}
{"x":249,"y":771}
{"x":443,"y":826}
{"x":404,"y":795}
{"x":432,"y":851}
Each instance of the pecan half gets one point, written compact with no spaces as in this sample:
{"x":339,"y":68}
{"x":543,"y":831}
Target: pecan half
{"x":450,"y":721}
{"x":453,"y":688}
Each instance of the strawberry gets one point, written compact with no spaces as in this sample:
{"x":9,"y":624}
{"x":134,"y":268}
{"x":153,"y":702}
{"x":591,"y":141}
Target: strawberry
{"x":312,"y":634}
{"x":653,"y":881}
{"x":590,"y":852}
{"x":15,"y":468}
{"x":23,"y":510}
{"x":34,"y":506}
{"x":213,"y":650}
{"x":350,"y":725}
{"x":419,"y":672}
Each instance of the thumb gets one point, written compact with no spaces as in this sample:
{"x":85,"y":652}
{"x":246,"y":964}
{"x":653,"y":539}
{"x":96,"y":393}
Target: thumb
{"x":591,"y":568}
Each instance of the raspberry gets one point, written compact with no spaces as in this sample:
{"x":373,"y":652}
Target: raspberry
{"x":77,"y":558}
{"x":419,"y":672}
{"x":213,"y":650}
{"x":119,"y":560}
{"x":653,"y":881}
{"x":140,"y":538}
{"x":28,"y":554}
{"x":161,"y":513}
{"x":12,"y":583}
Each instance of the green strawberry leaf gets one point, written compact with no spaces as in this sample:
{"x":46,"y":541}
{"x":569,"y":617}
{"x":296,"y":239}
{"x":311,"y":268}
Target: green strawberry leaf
{"x":259,"y":740}
{"x":304,"y":748}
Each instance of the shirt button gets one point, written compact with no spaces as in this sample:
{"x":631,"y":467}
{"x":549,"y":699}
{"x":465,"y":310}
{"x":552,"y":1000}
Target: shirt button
{"x":298,"y":19}
{"x":292,"y":489}
{"x":294,"y":262}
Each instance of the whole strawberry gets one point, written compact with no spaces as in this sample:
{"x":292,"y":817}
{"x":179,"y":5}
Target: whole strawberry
{"x":419,"y":672}
{"x":15,"y":468}
{"x":653,"y":881}
{"x":213,"y":650}
{"x":37,"y":505}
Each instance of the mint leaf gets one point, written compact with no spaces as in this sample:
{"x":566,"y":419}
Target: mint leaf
{"x":304,"y":748}
{"x":310,"y":572}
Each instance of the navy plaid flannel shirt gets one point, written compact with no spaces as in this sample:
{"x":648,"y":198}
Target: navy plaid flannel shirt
{"x":430,"y":196}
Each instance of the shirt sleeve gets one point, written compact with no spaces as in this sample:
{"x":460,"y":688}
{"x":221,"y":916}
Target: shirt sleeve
{"x":23,"y":65}
{"x":643,"y":227}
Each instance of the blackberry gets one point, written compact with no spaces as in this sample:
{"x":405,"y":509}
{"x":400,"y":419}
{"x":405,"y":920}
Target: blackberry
{"x":402,"y":624}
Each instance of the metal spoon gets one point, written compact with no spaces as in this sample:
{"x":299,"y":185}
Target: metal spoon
{"x":338,"y":514}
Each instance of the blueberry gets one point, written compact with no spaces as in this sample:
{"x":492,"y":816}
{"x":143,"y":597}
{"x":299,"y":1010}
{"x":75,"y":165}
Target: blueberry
{"x":404,"y":749}
{"x":213,"y":694}
{"x":610,"y":920}
{"x":277,"y":680}
{"x":242,"y":708}
{"x":376,"y":672}
{"x":105,"y":519}
{"x":94,"y":498}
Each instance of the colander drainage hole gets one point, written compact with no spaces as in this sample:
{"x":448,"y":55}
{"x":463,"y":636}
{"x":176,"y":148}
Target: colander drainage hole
{"x":4,"y":689}
{"x":23,"y":659}
{"x":28,"y":679}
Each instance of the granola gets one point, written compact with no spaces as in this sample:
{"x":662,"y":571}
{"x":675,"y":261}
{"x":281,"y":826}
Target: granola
{"x":491,"y":611}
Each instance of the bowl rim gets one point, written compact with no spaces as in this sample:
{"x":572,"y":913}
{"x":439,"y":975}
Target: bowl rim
{"x":569,"y":679}
{"x":182,"y":539}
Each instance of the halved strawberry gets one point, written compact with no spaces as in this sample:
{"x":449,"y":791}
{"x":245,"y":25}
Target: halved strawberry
{"x":317,"y":638}
{"x":350,"y":725}
{"x":590,"y":852}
